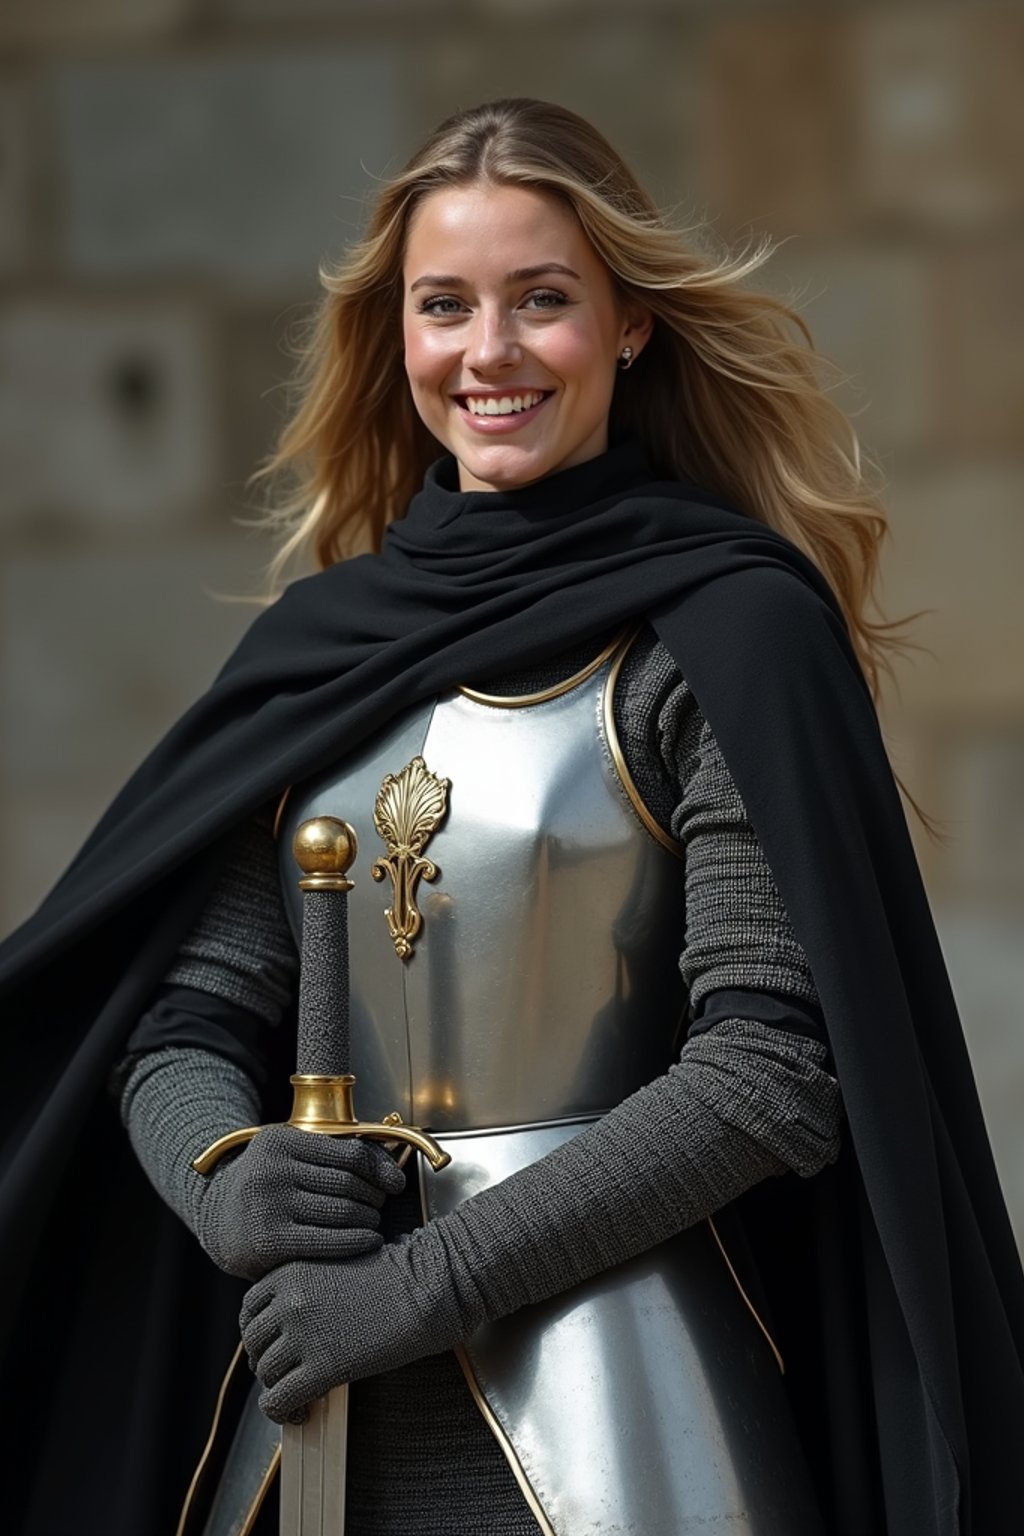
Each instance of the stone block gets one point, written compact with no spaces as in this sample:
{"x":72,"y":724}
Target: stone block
{"x":99,"y":655}
{"x":957,"y":549}
{"x":985,"y":795}
{"x":101,"y":652}
{"x":868,"y":312}
{"x":978,"y":323}
{"x":982,"y":945}
{"x":248,"y":168}
{"x":257,"y":368}
{"x":319,"y":10}
{"x":773,"y":135}
{"x":481,"y":15}
{"x":16,"y":141}
{"x":108,"y":412}
{"x":39,"y":836}
{"x":642,"y":12}
{"x":940,"y":115}
{"x":42,"y":23}
{"x":592,"y":70}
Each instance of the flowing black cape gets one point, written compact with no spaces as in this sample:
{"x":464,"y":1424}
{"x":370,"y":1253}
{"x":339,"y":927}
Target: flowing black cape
{"x":894,"y":1277}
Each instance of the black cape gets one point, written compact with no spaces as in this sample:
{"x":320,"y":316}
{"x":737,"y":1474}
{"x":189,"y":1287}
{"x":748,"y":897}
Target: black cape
{"x":894,"y":1277}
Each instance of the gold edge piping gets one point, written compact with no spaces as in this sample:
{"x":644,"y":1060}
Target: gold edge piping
{"x":208,"y":1447}
{"x":615,"y":748}
{"x":747,"y":1301}
{"x":488,"y":1415}
{"x":280,"y":812}
{"x":261,"y":1492}
{"x":521,"y":700}
{"x":505,"y":1444}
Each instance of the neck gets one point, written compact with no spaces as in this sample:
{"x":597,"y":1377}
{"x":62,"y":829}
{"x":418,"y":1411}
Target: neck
{"x":622,"y":465}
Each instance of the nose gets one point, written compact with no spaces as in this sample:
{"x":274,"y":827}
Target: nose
{"x":491,"y":342}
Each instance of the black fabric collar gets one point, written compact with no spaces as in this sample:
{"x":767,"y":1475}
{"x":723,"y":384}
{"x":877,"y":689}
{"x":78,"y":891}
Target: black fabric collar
{"x":607,"y":474}
{"x":568,"y":517}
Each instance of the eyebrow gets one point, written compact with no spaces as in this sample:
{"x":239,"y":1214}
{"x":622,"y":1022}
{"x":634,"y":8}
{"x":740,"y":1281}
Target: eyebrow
{"x":521,"y":275}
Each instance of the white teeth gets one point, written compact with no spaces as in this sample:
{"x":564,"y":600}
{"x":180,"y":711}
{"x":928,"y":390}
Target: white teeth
{"x":504,"y":405}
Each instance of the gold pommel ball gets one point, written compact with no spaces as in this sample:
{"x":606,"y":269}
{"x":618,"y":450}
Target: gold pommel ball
{"x":325,"y":849}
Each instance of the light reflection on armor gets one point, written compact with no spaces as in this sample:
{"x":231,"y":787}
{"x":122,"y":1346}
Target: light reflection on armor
{"x":544,"y":982}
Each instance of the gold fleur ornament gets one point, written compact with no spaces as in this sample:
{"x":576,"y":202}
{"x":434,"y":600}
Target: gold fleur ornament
{"x":409,"y":808}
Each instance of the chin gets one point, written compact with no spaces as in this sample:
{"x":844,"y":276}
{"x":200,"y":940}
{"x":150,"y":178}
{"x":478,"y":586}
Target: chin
{"x":508,"y":471}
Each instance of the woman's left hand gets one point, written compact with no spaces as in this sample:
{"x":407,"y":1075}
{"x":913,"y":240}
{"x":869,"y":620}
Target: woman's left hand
{"x":309,"y":1326}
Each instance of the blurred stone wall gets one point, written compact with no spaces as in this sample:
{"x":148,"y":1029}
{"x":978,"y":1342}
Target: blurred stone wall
{"x":172,"y":172}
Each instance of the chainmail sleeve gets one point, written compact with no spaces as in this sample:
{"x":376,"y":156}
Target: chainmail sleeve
{"x":737,"y":932}
{"x":194,"y":1064}
{"x":241,"y":948}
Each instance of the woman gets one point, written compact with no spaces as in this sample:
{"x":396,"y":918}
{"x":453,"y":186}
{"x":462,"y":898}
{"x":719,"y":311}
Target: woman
{"x":642,"y":477}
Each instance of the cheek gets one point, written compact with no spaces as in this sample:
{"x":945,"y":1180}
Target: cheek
{"x":578,"y":353}
{"x":428,"y":357}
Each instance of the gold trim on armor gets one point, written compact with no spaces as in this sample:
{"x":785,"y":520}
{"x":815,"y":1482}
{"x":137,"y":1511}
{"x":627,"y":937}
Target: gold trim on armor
{"x":268,"y":1476}
{"x":522,"y":700}
{"x":279,"y":813}
{"x":505,"y":1445}
{"x":273,"y":1467}
{"x":746,"y":1299}
{"x":211,"y":1437}
{"x":656,"y":831}
{"x":615,"y":748}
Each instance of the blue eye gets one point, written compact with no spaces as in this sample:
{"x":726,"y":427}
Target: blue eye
{"x":442,"y":304}
{"x":430,"y":306}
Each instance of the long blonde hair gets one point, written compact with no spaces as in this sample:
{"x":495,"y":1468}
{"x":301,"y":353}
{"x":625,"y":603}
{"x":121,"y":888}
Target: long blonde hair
{"x":728,"y":393}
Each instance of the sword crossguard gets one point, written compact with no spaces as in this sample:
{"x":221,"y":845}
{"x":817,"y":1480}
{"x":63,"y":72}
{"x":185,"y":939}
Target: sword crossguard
{"x":323,"y":1106}
{"x":325,"y":849}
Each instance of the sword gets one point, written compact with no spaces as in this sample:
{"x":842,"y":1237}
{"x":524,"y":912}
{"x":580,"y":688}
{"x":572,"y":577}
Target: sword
{"x":313,"y":1453}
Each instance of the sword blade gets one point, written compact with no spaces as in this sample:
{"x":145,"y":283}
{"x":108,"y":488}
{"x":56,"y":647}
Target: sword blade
{"x":313,"y":1469}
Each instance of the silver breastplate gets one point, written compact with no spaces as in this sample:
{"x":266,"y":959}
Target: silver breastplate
{"x":543,"y":982}
{"x":536,"y":989}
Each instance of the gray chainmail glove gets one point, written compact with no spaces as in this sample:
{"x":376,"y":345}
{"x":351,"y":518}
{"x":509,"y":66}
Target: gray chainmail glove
{"x":745,"y":1102}
{"x":292,"y":1195}
{"x":287,"y":1195}
{"x":307,"y":1327}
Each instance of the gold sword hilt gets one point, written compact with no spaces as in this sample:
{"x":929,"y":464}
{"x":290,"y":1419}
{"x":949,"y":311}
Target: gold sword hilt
{"x":325,"y":849}
{"x":323,"y":1106}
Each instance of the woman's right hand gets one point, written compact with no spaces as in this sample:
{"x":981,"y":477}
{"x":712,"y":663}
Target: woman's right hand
{"x":291,"y":1194}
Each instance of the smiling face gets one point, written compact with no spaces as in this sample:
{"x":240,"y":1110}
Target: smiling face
{"x":513,"y":331}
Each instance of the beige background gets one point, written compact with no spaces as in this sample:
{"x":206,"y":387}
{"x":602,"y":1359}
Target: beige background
{"x":170,"y":175}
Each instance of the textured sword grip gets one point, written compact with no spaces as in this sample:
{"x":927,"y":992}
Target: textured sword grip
{"x":323,"y":1045}
{"x":324,"y":849}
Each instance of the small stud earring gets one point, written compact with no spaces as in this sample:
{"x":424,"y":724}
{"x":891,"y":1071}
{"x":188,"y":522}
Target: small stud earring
{"x":625,"y":358}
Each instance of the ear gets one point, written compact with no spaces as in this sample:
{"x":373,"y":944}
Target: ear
{"x":637,"y":325}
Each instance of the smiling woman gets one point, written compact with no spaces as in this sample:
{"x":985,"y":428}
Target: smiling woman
{"x":727,"y":392}
{"x":514,"y":378}
{"x":721,"y":1246}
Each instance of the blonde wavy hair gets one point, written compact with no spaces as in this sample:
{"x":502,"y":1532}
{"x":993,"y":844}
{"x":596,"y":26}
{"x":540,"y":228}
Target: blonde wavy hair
{"x":729,"y":392}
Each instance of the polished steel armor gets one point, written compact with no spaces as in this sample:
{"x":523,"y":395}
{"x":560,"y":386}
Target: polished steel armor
{"x":541,"y":988}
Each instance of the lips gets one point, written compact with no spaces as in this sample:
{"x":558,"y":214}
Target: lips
{"x":503,"y":421}
{"x":507,"y":403}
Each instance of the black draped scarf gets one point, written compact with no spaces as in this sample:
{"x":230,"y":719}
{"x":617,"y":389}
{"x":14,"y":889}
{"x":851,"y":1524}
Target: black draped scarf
{"x":908,"y":1332}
